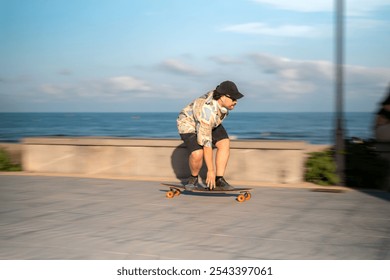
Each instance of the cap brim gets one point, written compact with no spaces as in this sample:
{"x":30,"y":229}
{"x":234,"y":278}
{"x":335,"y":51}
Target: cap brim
{"x":240,"y":95}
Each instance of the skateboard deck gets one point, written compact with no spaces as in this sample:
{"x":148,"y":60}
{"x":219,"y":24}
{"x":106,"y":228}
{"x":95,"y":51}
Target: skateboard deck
{"x":176,"y":189}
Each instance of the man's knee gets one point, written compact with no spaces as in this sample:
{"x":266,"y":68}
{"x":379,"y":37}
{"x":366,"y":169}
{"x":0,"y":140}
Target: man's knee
{"x":197,"y":155}
{"x":223,"y":144}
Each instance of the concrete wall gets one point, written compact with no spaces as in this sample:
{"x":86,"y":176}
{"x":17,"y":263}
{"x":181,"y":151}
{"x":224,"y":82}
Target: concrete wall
{"x":250,"y":161}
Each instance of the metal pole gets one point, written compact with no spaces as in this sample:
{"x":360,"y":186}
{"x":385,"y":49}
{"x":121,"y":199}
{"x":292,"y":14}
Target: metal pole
{"x":339,"y":88}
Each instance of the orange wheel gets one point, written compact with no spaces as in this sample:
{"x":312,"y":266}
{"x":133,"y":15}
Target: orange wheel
{"x":170,"y":194}
{"x":177,"y":193}
{"x":248,"y":196}
{"x":241,"y":198}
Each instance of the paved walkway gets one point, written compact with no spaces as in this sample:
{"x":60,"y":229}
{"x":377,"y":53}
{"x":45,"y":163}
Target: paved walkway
{"x":80,"y":218}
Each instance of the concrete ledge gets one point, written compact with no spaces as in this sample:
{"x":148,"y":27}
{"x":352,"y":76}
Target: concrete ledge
{"x":101,"y":141}
{"x":140,"y":142}
{"x":250,"y":161}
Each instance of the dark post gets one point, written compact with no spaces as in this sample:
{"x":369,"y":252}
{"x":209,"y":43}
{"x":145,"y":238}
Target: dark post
{"x":339,"y":131}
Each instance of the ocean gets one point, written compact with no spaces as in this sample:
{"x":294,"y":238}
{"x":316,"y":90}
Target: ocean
{"x":314,"y":128}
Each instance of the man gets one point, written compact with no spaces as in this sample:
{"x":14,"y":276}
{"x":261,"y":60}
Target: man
{"x":200,"y":127}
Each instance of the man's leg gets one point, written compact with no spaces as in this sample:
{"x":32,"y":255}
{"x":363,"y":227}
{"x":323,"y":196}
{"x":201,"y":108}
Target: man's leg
{"x":222,"y":143}
{"x":222,"y":156}
{"x":196,"y":161}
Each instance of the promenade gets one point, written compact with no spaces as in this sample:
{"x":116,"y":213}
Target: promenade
{"x":48,"y":217}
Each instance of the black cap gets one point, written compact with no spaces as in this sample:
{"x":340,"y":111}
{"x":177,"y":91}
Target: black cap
{"x":229,"y":89}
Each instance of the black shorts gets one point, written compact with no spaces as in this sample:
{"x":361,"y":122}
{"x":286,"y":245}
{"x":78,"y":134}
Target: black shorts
{"x":190,"y":139}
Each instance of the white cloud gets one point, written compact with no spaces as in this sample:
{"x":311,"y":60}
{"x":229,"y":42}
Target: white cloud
{"x":361,"y":24}
{"x":357,"y":18}
{"x":364,"y":7}
{"x":127,"y":83}
{"x":225,"y":60}
{"x":65,"y":72}
{"x":54,"y":90}
{"x":299,"y":5}
{"x":269,"y":82}
{"x":292,"y":69}
{"x":296,"y":78}
{"x":113,"y":87}
{"x":264,"y":29}
{"x":359,"y":76}
{"x":354,"y":7}
{"x":179,"y":67}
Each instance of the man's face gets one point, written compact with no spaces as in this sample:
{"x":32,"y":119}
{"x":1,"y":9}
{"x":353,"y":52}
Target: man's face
{"x":228,"y":102}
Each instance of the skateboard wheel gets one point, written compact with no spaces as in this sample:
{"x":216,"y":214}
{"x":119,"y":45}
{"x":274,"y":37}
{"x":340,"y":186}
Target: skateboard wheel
{"x":170,"y":194}
{"x":177,"y":193}
{"x":241,"y":198}
{"x":248,"y":196}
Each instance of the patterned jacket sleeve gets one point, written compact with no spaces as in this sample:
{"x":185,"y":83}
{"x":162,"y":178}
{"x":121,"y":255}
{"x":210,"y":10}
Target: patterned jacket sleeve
{"x":205,"y":116}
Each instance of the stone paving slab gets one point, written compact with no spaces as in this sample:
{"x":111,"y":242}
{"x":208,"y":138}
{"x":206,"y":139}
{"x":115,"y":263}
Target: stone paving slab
{"x":84,"y":218}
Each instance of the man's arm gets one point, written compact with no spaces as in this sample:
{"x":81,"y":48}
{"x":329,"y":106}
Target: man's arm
{"x":208,"y":158}
{"x":205,"y":139}
{"x":206,"y":120}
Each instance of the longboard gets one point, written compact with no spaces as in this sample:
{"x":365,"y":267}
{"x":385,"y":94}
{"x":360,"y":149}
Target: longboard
{"x":176,"y":189}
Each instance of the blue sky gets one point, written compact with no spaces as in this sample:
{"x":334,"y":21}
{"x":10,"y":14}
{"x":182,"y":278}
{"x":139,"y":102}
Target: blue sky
{"x":155,"y":55}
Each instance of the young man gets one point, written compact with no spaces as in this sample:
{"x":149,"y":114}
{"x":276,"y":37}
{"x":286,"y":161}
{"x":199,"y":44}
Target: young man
{"x":200,"y":127}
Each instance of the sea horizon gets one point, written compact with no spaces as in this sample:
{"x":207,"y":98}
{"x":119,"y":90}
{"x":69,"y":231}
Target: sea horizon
{"x":312,"y":127}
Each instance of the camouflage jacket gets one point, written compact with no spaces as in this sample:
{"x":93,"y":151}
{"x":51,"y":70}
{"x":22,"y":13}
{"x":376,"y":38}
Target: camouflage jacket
{"x":201,"y":116}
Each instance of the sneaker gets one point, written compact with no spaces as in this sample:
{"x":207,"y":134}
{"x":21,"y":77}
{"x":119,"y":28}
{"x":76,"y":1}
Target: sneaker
{"x":222,"y":185}
{"x":191,"y":184}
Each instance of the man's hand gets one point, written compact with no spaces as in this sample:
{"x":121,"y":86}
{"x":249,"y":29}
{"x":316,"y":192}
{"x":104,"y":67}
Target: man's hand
{"x":210,"y":180}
